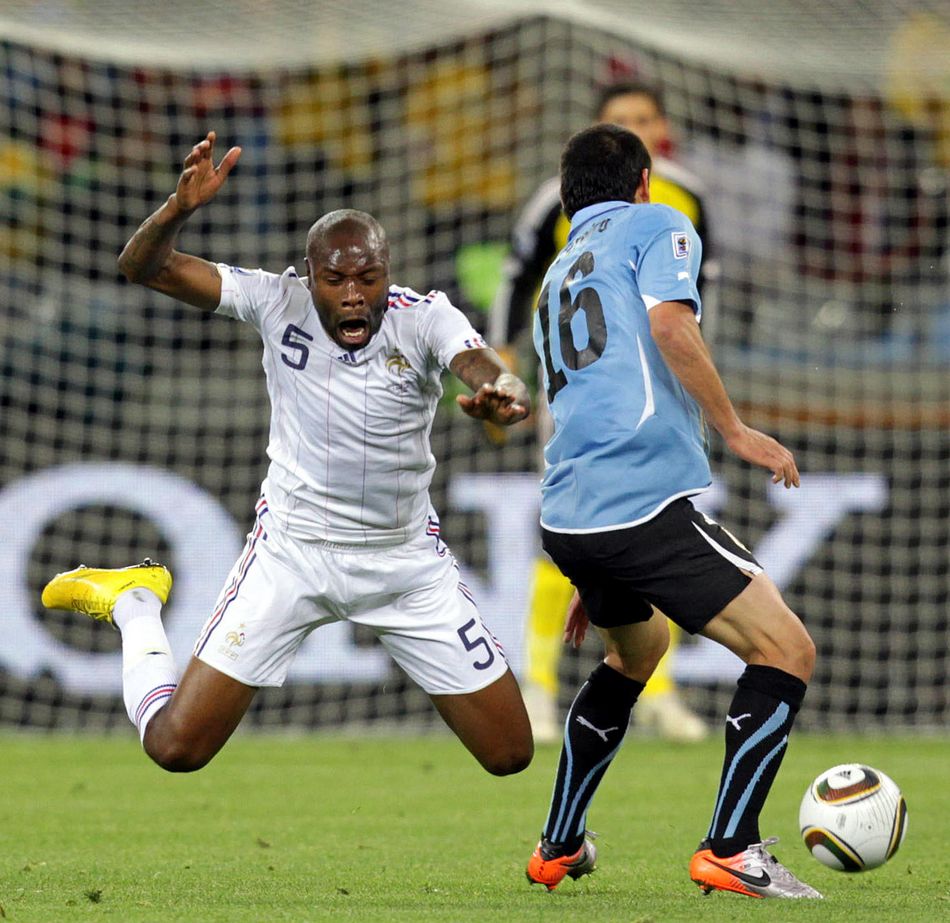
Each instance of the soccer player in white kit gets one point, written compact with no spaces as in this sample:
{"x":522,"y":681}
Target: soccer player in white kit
{"x":344,"y":529}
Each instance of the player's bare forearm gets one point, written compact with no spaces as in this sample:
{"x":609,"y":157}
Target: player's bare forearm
{"x":149,"y":259}
{"x":677,"y":336}
{"x":499,"y":395}
{"x":151,"y":246}
{"x":477,"y":367}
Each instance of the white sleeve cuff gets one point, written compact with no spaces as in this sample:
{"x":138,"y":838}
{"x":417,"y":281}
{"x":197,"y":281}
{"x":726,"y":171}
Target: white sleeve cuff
{"x":652,"y":302}
{"x":228,"y":290}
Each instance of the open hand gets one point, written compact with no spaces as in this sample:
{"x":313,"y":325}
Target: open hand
{"x":504,"y":402}
{"x":575,"y":626}
{"x":200,"y":180}
{"x":759,"y":449}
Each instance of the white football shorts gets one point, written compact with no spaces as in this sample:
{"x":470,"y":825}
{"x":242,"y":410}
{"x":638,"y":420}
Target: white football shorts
{"x":411,"y":595}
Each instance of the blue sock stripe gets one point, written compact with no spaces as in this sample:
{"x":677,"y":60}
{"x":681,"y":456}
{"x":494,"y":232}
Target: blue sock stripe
{"x":551,"y":832}
{"x":747,"y":794}
{"x":587,"y":779}
{"x":775,"y":721}
{"x":581,"y":825}
{"x":582,"y":822}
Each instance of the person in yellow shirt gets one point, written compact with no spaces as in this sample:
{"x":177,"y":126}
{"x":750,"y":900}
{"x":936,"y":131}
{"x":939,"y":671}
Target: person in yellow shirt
{"x":539,"y":233}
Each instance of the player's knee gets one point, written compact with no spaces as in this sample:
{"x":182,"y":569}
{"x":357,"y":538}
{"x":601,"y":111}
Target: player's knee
{"x":797,"y":650}
{"x":638,"y":662}
{"x":177,"y":759}
{"x":511,"y":760}
{"x":805,"y":653}
{"x":174,"y":753}
{"x":792,"y":651}
{"x":658,"y":644}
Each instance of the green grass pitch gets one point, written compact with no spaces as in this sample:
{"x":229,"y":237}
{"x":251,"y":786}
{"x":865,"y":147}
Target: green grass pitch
{"x":336,"y":828}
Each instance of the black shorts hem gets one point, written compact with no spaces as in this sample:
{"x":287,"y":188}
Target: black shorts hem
{"x":681,"y":562}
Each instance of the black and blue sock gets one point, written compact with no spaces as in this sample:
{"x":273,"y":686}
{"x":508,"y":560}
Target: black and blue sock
{"x":593,"y":732}
{"x":757,"y":728}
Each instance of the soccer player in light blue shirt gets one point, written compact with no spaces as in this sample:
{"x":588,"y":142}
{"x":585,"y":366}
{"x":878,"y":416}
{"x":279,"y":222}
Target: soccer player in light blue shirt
{"x":624,"y":411}
{"x":629,"y":382}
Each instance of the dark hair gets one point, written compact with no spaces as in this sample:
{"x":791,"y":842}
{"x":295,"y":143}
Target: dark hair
{"x":602,"y":163}
{"x":630,"y":88}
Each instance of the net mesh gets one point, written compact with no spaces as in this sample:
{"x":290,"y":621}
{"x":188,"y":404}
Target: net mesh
{"x":133,"y":426}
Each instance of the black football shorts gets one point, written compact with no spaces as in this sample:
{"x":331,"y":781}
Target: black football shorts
{"x":681,"y":561}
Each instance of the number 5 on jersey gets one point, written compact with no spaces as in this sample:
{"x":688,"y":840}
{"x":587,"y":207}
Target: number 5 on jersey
{"x":294,"y":339}
{"x":473,"y":644}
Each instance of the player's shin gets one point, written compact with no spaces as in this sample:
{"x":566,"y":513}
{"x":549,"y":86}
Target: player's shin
{"x":759,"y":721}
{"x":593,"y":732}
{"x":149,"y":675}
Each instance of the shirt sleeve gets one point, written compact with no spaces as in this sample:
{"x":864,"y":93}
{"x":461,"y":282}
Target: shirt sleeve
{"x":446,"y":331}
{"x":668,"y":266}
{"x":246,"y":294}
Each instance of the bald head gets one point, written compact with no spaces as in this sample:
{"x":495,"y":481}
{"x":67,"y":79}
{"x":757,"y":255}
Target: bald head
{"x":348,"y":275}
{"x":346,"y":230}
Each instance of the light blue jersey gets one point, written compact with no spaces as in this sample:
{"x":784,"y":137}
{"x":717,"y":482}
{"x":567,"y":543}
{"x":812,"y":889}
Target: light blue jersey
{"x":628,"y":439}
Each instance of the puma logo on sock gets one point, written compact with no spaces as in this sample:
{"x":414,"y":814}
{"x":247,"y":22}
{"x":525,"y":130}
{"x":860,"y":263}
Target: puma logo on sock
{"x":602,"y":734}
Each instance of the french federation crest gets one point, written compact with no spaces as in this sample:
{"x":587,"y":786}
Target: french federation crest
{"x":681,"y":244}
{"x":397,"y":365}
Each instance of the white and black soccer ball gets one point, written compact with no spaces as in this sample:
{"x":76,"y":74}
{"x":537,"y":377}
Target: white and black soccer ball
{"x":853,"y":818}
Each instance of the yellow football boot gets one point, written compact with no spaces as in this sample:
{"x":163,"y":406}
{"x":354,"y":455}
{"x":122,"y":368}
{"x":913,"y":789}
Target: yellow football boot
{"x":93,"y":591}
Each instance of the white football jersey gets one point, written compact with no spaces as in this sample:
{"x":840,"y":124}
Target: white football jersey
{"x":350,"y":460}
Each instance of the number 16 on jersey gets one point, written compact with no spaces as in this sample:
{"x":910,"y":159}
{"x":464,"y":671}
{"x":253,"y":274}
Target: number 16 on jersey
{"x":572,"y":297}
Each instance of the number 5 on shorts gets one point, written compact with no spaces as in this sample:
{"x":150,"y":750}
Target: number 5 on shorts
{"x":474,"y":644}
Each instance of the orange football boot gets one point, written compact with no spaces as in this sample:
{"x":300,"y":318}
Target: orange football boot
{"x":753,"y":872}
{"x":550,"y":872}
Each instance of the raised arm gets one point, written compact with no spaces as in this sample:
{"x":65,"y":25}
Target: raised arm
{"x":149,"y":258}
{"x":500,"y":396}
{"x":676,"y":333}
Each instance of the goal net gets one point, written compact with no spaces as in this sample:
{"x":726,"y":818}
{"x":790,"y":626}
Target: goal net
{"x":134,"y":426}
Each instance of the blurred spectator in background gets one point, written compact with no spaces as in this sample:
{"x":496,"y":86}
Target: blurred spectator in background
{"x":918,"y":90}
{"x":736,"y":147}
{"x":539,"y":233}
{"x":868,"y":223}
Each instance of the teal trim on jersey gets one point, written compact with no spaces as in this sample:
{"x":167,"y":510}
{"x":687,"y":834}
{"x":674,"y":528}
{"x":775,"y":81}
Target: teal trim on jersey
{"x":627,"y":436}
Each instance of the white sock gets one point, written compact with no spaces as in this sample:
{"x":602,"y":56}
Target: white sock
{"x":149,"y":675}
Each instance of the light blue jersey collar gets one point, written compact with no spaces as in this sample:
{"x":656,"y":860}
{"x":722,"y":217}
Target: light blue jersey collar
{"x":590,"y":212}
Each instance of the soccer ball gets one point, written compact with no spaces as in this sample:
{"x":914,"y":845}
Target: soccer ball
{"x":853,"y":818}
